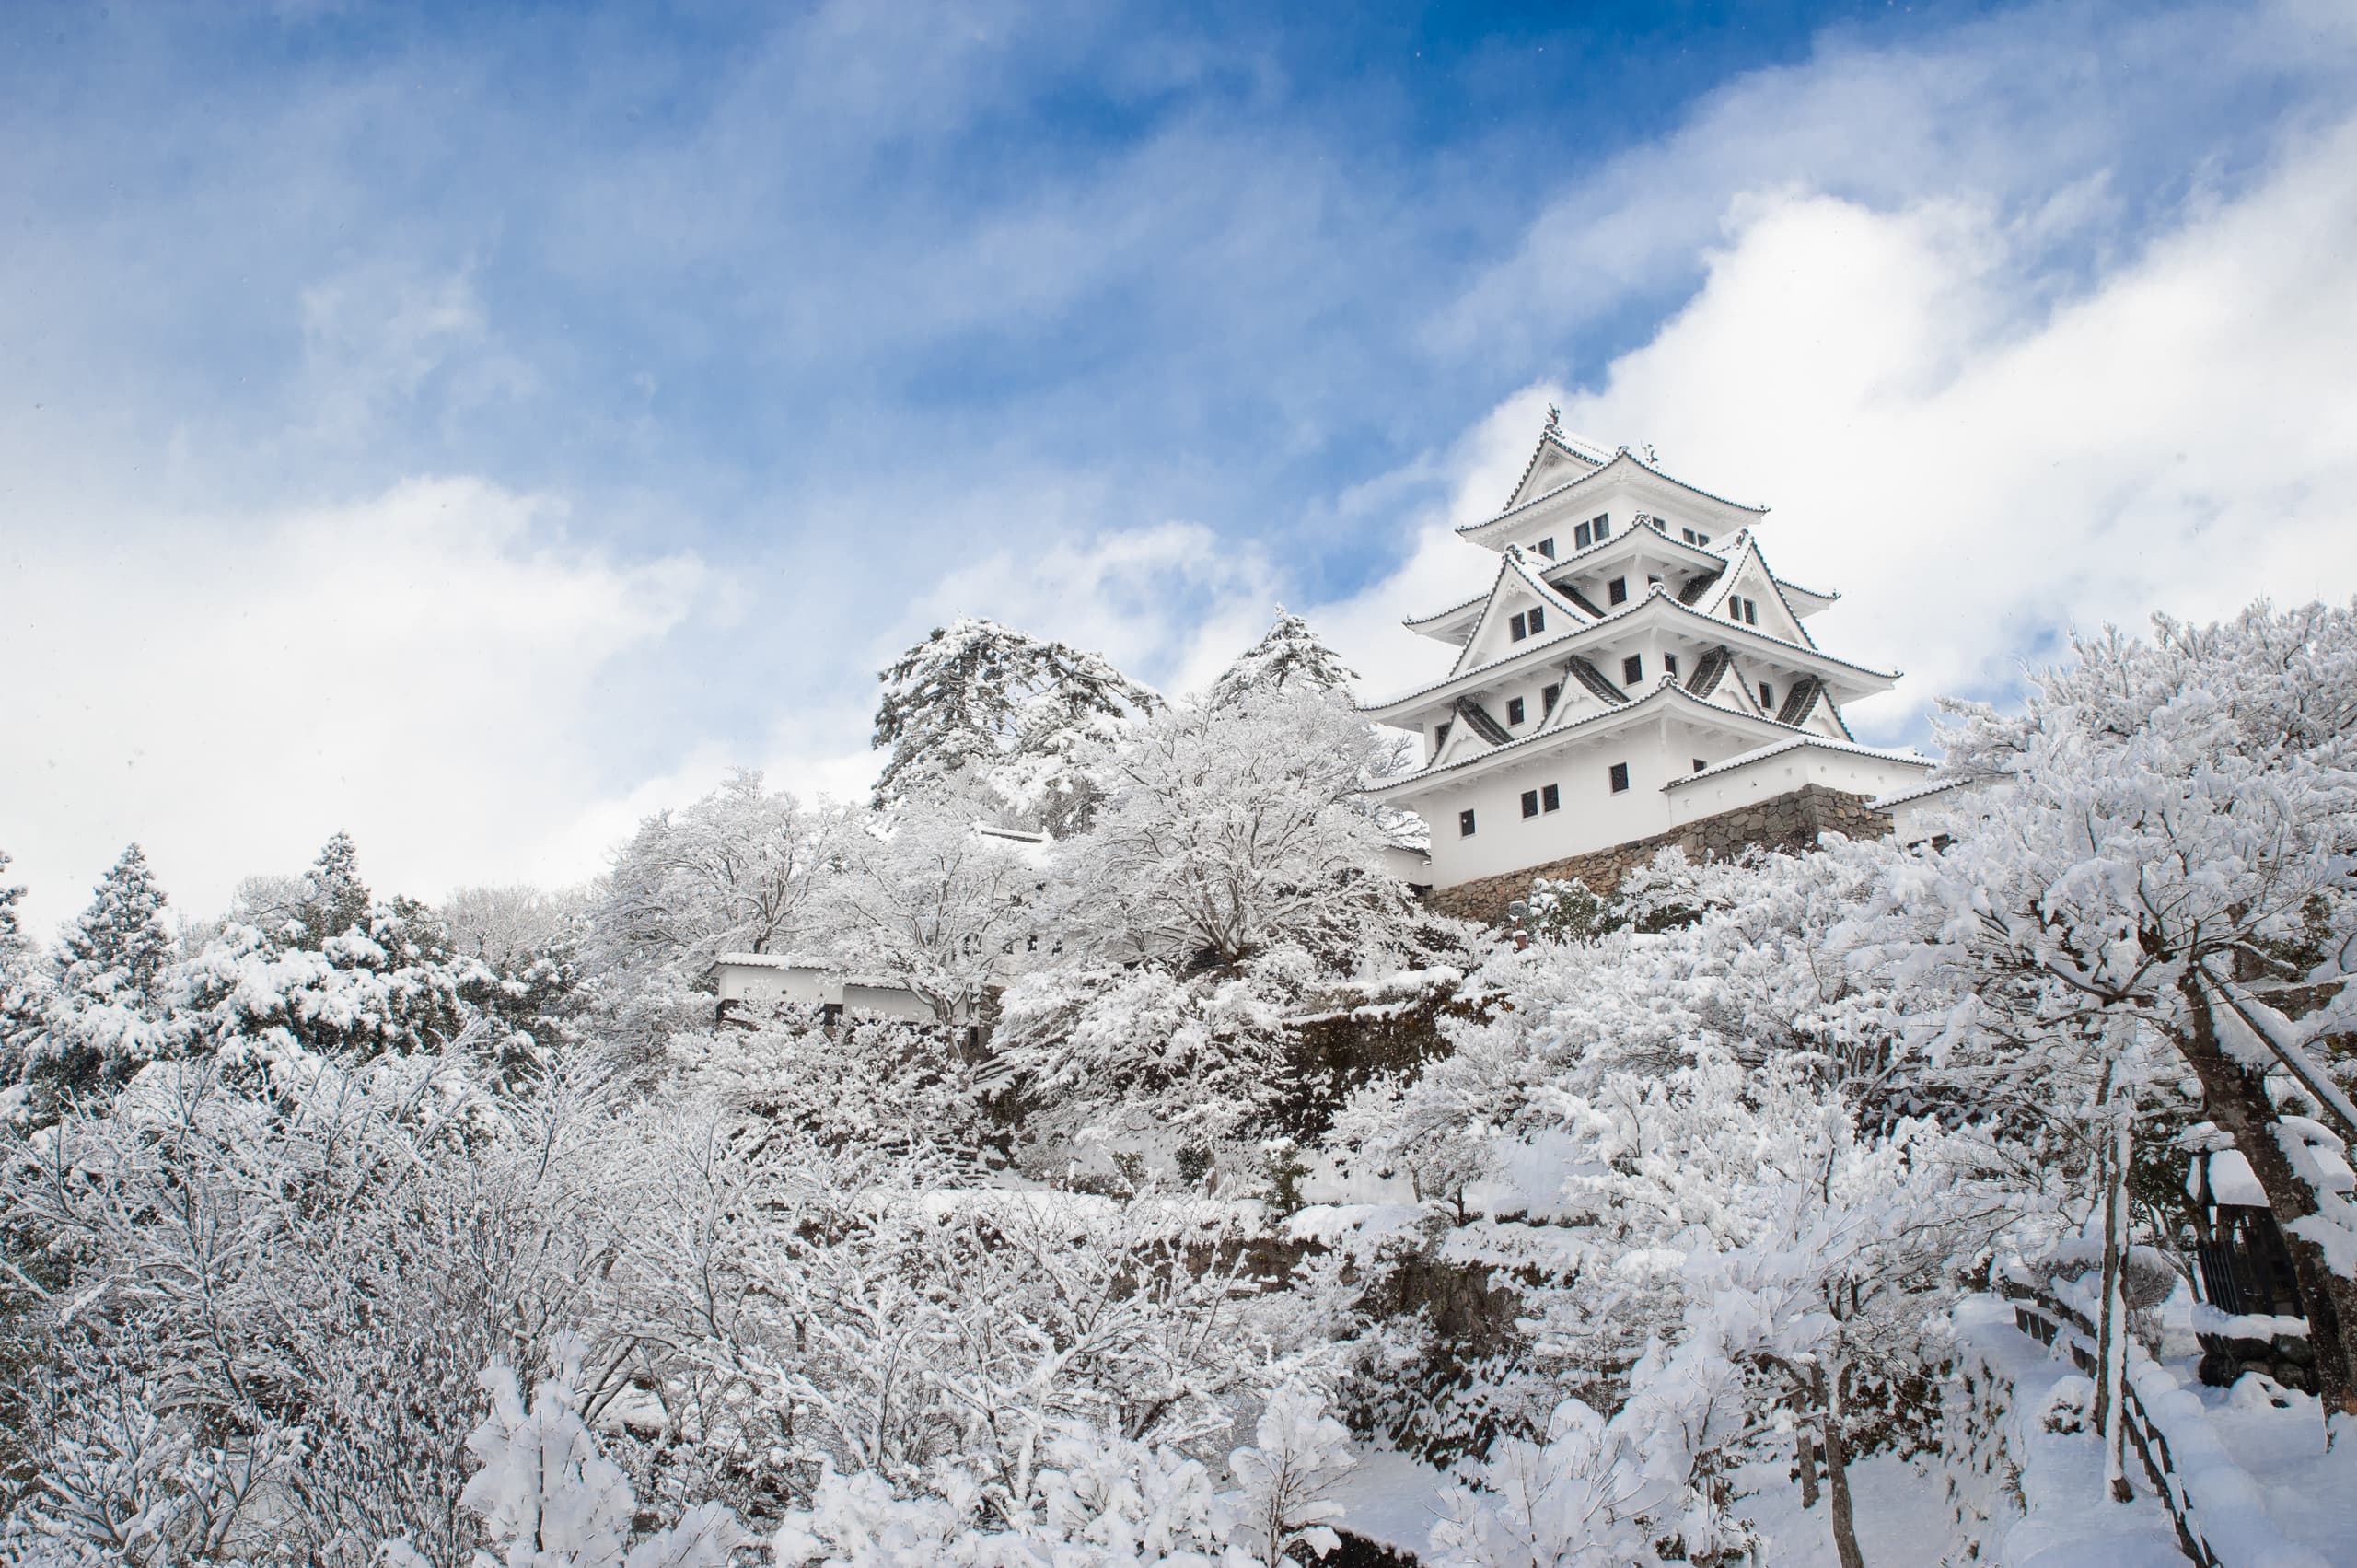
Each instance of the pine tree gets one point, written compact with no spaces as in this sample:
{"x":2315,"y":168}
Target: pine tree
{"x":106,"y":1015}
{"x":19,"y":991}
{"x":980,"y":705}
{"x":335,"y":898}
{"x":1289,"y":657}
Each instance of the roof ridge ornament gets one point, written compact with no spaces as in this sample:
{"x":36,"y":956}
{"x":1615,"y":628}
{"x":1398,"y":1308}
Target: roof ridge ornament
{"x":1554,"y":420}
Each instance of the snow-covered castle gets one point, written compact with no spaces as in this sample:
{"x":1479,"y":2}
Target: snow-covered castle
{"x":1634,"y":669}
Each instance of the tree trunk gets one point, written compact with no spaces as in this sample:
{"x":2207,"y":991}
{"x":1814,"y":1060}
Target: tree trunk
{"x":1836,"y":1476}
{"x":2112,"y":1335}
{"x":1804,"y":1448}
{"x":2235,"y":1099}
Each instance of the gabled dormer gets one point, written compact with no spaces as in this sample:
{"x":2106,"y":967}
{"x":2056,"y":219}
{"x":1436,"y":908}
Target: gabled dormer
{"x":1521,"y":607}
{"x":1557,"y":460}
{"x":1748,"y":594}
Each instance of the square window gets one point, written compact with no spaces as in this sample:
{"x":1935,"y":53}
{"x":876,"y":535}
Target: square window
{"x":1582,"y":536}
{"x":1619,"y":777}
{"x":1538,"y":620}
{"x":1617,"y":590}
{"x":1604,"y":527}
{"x":1465,"y":823}
{"x":1701,"y":538}
{"x":1547,"y":547}
{"x":1513,"y":710}
{"x":1669,"y":664}
{"x":1547,"y":698}
{"x":1690,"y":536}
{"x":1767,"y":695}
{"x":1531,"y":803}
{"x":1551,"y":798}
{"x":1520,"y":627}
{"x":1632,"y":669}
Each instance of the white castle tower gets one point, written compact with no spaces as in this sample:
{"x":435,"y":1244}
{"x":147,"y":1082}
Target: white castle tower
{"x":1634,"y":669}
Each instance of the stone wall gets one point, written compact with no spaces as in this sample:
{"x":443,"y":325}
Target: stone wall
{"x":1790,"y":821}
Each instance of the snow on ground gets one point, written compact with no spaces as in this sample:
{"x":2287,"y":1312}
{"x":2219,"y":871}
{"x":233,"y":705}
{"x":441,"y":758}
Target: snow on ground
{"x":2310,"y":1494}
{"x":1901,"y":1514}
{"x":1390,"y":1498}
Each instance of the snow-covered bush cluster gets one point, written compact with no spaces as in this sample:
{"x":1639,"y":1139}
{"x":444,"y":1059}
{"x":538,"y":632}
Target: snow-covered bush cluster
{"x":345,"y":1229}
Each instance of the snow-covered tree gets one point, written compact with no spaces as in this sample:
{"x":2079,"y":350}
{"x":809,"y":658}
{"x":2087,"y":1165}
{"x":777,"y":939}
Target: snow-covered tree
{"x":1288,"y":657}
{"x":979,"y":706}
{"x":1228,"y":877}
{"x":2162,"y":842}
{"x":105,"y":1014}
{"x":930,"y":901}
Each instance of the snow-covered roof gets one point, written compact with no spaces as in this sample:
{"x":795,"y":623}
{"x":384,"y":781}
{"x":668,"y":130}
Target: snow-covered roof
{"x":1533,"y":651}
{"x":1826,"y":742}
{"x":1666,"y":690}
{"x":1623,"y":456}
{"x":1901,"y":796}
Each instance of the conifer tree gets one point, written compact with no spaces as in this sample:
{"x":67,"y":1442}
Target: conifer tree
{"x":1289,"y":657}
{"x":335,"y":898}
{"x":105,"y":1016}
{"x":977,"y":705}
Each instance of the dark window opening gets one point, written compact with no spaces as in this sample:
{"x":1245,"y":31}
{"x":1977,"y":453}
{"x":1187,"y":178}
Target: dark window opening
{"x":1551,"y":798}
{"x":1520,"y":627}
{"x":1547,"y":547}
{"x":1538,"y":620}
{"x":1513,"y":710}
{"x":1619,"y":777}
{"x":1699,"y":764}
{"x":1616,"y":591}
{"x":1440,"y":736}
{"x":1751,"y":612}
{"x":1767,"y":695}
{"x":1547,"y":698}
{"x":1465,"y":824}
{"x":1669,"y":664}
{"x":1531,"y":803}
{"x":1604,"y":527}
{"x":1582,"y":536}
{"x":1632,"y":669}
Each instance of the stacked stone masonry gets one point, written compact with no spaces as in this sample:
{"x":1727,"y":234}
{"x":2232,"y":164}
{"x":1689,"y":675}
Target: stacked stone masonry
{"x":1792,"y":821}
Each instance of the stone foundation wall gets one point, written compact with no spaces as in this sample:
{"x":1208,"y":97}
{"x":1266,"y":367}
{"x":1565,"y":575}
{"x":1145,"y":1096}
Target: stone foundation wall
{"x":1789,"y":821}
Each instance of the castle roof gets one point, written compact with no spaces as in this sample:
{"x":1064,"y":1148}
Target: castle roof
{"x":1659,"y":600}
{"x":1666,"y":693}
{"x":1623,"y":463}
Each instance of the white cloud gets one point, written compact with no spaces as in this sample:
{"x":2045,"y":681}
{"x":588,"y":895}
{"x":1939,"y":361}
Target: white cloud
{"x":428,"y":668}
{"x":1977,"y":457}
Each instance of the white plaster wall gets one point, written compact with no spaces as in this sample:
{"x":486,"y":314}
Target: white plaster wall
{"x":1592,"y":817}
{"x":1786,"y":772}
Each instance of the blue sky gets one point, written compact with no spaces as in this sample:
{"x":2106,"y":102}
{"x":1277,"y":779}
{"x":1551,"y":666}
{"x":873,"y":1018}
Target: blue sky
{"x":473,"y":426}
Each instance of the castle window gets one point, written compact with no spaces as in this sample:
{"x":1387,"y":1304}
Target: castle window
{"x":1531,"y":803}
{"x":1520,"y":627}
{"x":1513,"y":710}
{"x":1616,"y":591}
{"x":1669,"y":664}
{"x":1582,"y":536}
{"x":1465,"y":823}
{"x":1699,"y":764}
{"x":1693,"y":538}
{"x":1751,"y":612}
{"x":1538,"y":620}
{"x":1632,"y":669}
{"x":1604,"y":527}
{"x":1547,"y":547}
{"x":1620,"y":776}
{"x":1767,"y":695}
{"x":1547,"y":698}
{"x":1550,"y":798}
